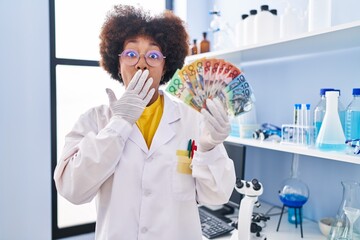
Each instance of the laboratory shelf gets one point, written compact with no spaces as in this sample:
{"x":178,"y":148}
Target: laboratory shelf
{"x":336,"y":38}
{"x":302,"y":150}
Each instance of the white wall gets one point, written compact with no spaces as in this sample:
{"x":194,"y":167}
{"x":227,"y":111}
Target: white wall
{"x":25,"y":179}
{"x":196,"y":15}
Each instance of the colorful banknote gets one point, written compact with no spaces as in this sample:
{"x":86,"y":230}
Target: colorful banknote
{"x":212,"y":78}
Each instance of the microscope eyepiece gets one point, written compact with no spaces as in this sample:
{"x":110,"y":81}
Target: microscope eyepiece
{"x":256,"y":184}
{"x":239,"y":183}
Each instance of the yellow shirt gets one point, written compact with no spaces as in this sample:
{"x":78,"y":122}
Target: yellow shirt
{"x":150,"y":119}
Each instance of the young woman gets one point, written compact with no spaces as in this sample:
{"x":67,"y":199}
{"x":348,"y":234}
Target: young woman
{"x":132,"y":155}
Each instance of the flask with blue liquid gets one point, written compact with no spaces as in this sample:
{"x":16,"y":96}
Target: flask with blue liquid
{"x":319,"y":110}
{"x":352,"y":126}
{"x":342,"y":110}
{"x":331,"y":136}
{"x":294,"y":192}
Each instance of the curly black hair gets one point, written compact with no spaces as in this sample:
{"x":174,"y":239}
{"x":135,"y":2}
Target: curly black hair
{"x":125,"y":22}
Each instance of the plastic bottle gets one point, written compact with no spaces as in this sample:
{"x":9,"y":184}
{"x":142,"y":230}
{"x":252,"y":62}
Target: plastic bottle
{"x":352,"y":125}
{"x":204,"y":44}
{"x":319,"y":110}
{"x":194,"y":48}
{"x":307,"y":122}
{"x":290,"y":24}
{"x":331,"y":136}
{"x":276,"y":25}
{"x":249,"y":28}
{"x":263,"y":22}
{"x":319,"y":14}
{"x":239,"y":31}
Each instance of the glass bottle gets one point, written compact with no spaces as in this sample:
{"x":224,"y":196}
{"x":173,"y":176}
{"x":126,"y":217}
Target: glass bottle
{"x":352,"y":122}
{"x":194,"y":48}
{"x":331,"y":136}
{"x":294,"y":192}
{"x":346,"y":226}
{"x":204,"y":44}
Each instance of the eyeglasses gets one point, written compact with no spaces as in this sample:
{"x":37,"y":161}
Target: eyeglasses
{"x":131,"y":57}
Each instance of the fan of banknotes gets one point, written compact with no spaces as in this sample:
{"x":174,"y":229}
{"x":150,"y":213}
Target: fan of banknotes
{"x":212,"y":78}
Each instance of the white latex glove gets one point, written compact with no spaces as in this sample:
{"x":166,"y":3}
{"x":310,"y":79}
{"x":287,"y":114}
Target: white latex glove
{"x":217,"y":125}
{"x":137,"y":95}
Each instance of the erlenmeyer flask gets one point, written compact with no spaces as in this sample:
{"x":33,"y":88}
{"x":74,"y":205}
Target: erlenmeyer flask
{"x":343,"y":229}
{"x":331,"y":136}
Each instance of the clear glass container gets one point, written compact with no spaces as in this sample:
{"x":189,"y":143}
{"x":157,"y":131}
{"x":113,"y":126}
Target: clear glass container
{"x":353,"y":117}
{"x":347,"y":224}
{"x":341,"y":110}
{"x":294,"y":192}
{"x":319,"y":111}
{"x":331,"y":136}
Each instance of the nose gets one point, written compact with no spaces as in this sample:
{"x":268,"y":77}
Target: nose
{"x":142,"y":64}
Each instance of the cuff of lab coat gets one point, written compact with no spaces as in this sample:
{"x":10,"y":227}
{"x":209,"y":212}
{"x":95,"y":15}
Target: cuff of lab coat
{"x":208,"y":157}
{"x":117,"y":126}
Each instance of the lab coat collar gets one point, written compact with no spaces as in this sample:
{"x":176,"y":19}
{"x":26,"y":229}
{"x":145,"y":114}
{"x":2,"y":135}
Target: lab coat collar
{"x":164,"y":132}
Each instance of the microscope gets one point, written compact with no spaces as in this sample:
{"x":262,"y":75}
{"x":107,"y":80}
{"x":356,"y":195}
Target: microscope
{"x":246,"y":220}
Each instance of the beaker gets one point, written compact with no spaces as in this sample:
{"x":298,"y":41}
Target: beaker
{"x":347,"y":224}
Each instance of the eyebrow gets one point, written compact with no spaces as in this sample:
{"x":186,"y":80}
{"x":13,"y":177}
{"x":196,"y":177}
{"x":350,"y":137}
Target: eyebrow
{"x":133,"y":40}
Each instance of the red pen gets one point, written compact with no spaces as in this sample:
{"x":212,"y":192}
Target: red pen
{"x":193,"y":149}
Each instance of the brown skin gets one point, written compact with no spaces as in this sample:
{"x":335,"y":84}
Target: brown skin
{"x":124,"y":23}
{"x":142,"y":44}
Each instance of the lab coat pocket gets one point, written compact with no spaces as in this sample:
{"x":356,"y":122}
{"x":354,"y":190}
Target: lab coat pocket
{"x":183,"y":162}
{"x":183,"y":184}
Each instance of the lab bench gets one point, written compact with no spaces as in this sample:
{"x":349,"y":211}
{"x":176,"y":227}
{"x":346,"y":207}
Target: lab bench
{"x":286,"y":231}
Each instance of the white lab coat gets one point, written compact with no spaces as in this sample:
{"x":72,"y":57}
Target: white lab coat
{"x":139,"y":193}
